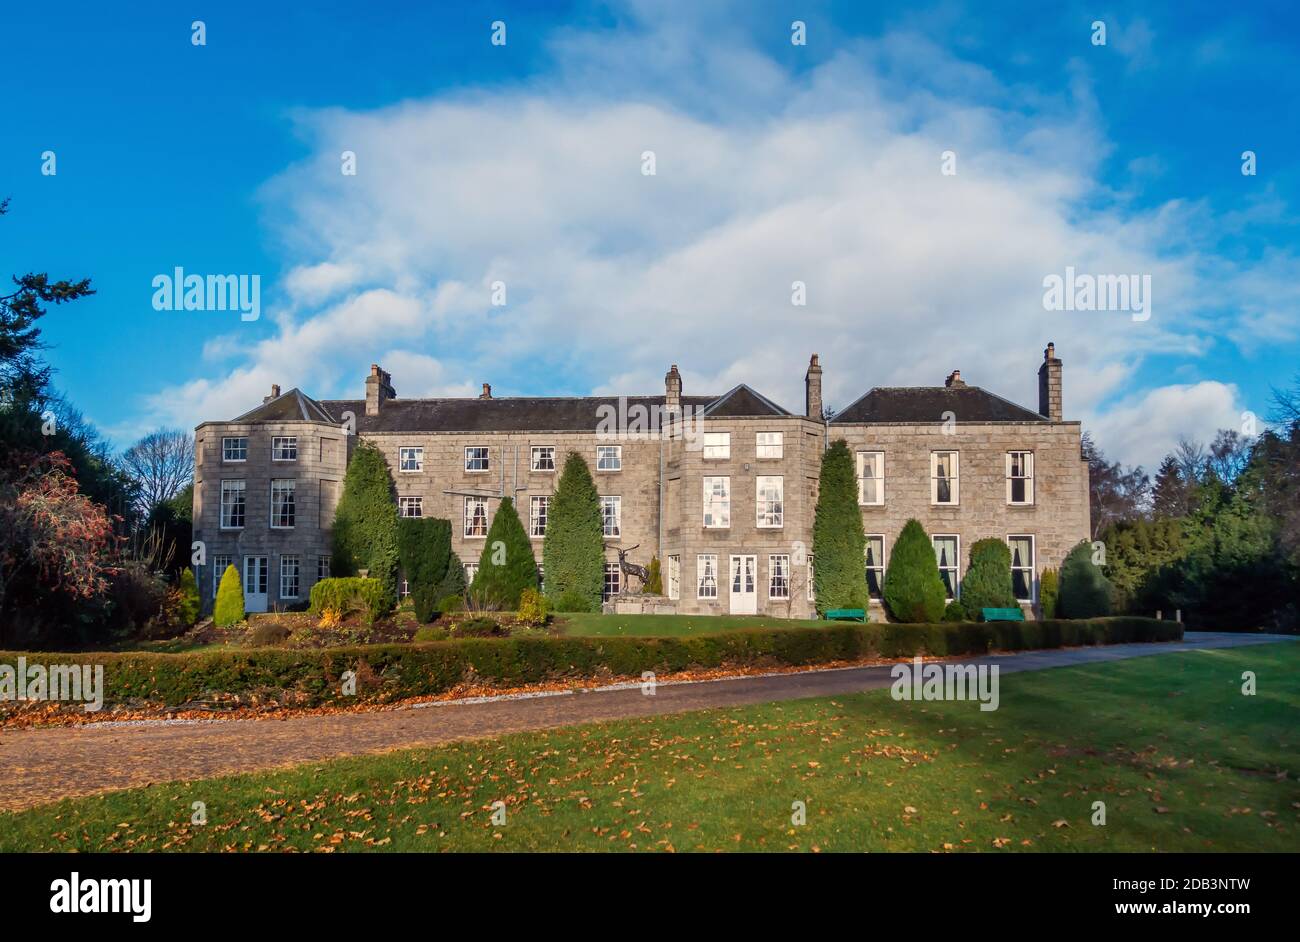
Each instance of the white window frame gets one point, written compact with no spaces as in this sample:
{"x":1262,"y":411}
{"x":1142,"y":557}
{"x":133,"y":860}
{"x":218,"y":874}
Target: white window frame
{"x":706,"y":564}
{"x":606,"y":501}
{"x":542,"y":453}
{"x":778,"y":562}
{"x":226,"y":448}
{"x":1032,"y":568}
{"x":471,"y":570}
{"x":769,"y":511}
{"x":242,"y":490}
{"x":470,"y":517}
{"x":772,"y":448}
{"x":323,"y":564}
{"x":296,"y":561}
{"x":877,"y":475}
{"x":879,"y":567}
{"x":534,"y":516}
{"x":405,"y":503}
{"x":410,"y":459}
{"x":954,"y":480}
{"x":291,"y":503}
{"x":675,"y":577}
{"x":956,"y":563}
{"x":218,"y":570}
{"x":717,"y":446}
{"x":611,"y":569}
{"x":717,"y":507}
{"x":486,"y":458}
{"x":609,"y":458}
{"x":1026,"y":475}
{"x":284,"y":452}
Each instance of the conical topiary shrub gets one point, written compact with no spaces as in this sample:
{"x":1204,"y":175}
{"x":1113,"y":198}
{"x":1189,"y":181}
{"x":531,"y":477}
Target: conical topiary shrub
{"x":913,"y":589}
{"x":190,"y":603}
{"x":988,"y":580}
{"x":229,"y":608}
{"x":365,"y":523}
{"x":573,"y":552}
{"x":839,"y":544}
{"x":1085,"y":591}
{"x":506,"y":566}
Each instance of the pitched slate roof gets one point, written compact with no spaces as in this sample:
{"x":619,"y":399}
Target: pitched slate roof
{"x":929,"y":403}
{"x":292,"y":406}
{"x":741,"y":401}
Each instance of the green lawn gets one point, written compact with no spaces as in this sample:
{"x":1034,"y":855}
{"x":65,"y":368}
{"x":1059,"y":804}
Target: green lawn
{"x":1182,"y":760}
{"x":659,"y":626}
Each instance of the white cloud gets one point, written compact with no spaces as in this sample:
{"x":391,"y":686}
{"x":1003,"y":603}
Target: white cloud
{"x":1144,"y":428}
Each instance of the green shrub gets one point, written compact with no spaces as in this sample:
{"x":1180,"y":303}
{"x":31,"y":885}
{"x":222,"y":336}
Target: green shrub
{"x":229,"y":607}
{"x":344,"y":595}
{"x":267,"y":634}
{"x":839,"y":544}
{"x":188,"y":611}
{"x":1085,"y":591}
{"x":451,"y":603}
{"x":506,"y":566}
{"x":365,"y":523}
{"x":913,"y":590}
{"x":424,"y":603}
{"x":654,"y":584}
{"x":988,"y":580}
{"x":478,"y":628}
{"x":424,"y":550}
{"x":1047,"y":593}
{"x":431,"y":633}
{"x":956,"y":610}
{"x":532,"y":607}
{"x":573,"y":551}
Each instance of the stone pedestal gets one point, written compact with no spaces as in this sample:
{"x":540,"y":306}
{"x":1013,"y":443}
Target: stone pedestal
{"x":637,"y":603}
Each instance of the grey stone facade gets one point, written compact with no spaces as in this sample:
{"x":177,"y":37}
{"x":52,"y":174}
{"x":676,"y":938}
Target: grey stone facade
{"x":448,"y":455}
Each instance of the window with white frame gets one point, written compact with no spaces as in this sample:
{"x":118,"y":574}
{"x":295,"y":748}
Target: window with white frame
{"x":947,"y":555}
{"x":706,"y":575}
{"x":471,"y":570}
{"x":770,"y":490}
{"x":778,"y":577}
{"x":875,"y":564}
{"x":609,"y":457}
{"x":717,"y":444}
{"x":284,"y":448}
{"x":410,"y":458}
{"x":537,"y":508}
{"x":871,"y":478}
{"x":476,"y":521}
{"x":1022,"y":566}
{"x":289,"y":568}
{"x":283,"y":503}
{"x":543,"y":458}
{"x":233,"y":504}
{"x":220,"y":563}
{"x":769,"y":445}
{"x":322,"y":568}
{"x":1020,"y":477}
{"x":674,"y":577}
{"x":613,"y":580}
{"x":410,"y":506}
{"x":812,"y":586}
{"x":476,"y":458}
{"x":611,"y":515}
{"x":717,"y":502}
{"x":944,"y":477}
{"x":234,"y":449}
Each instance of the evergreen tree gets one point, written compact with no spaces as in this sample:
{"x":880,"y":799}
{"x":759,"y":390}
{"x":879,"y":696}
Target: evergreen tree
{"x":988,"y":580}
{"x":365,"y":524}
{"x":573,"y":551}
{"x":839,"y":544}
{"x":1048,"y":592}
{"x":1169,"y":496}
{"x":1085,"y":591}
{"x":913,"y":590}
{"x":189,"y":589}
{"x":424,"y":548}
{"x":506,"y":566}
{"x":229,"y":608}
{"x":654,"y":585}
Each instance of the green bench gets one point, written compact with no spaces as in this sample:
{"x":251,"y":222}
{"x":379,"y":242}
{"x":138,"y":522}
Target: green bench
{"x":847,"y":614}
{"x":1003,"y":614}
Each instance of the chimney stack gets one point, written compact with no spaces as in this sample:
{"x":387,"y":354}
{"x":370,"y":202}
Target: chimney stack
{"x":954,"y":380}
{"x":1049,"y":385}
{"x":673,"y":390}
{"x":379,"y":388}
{"x":487,"y":392}
{"x":812,"y":382}
{"x":275,"y":394}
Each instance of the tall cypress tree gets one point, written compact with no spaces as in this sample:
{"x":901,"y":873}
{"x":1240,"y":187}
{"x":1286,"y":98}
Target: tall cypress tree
{"x":506,"y":566}
{"x":573,"y":552}
{"x":365,"y":524}
{"x":839,"y":544}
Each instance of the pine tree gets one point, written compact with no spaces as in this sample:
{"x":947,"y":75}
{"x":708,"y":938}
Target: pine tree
{"x":573,"y":551}
{"x":839,"y":544}
{"x":1085,"y":591}
{"x":988,"y":580}
{"x":229,"y":608}
{"x":913,"y":589}
{"x":365,"y":523}
{"x":1169,"y":496}
{"x":506,"y":566}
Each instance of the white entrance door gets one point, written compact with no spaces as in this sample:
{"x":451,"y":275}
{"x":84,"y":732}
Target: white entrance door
{"x":744,"y":585}
{"x":257,"y":573}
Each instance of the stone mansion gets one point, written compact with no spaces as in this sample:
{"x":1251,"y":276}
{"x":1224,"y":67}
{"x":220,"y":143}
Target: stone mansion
{"x":721,"y":488}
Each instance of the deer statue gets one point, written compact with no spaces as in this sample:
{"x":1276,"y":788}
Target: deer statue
{"x":632,"y":569}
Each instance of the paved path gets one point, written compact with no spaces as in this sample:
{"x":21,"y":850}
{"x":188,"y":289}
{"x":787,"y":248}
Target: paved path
{"x":41,"y":765}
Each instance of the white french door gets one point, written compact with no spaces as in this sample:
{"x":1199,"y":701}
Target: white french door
{"x":257,"y":575}
{"x":744,"y":585}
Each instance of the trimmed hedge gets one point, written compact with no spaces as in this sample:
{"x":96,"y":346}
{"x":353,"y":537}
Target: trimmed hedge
{"x":345,"y":594}
{"x":312,"y":677}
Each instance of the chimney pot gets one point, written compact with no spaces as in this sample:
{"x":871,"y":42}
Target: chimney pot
{"x":673,"y":390}
{"x":487,"y":392}
{"x":954,"y":380}
{"x":379,"y":388}
{"x":1049,"y":386}
{"x":812,"y":382}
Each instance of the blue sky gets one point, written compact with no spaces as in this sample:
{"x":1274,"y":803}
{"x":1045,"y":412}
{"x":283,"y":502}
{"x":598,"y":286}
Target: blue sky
{"x":522,"y":163}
